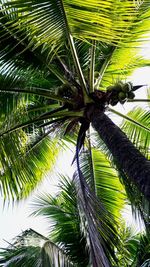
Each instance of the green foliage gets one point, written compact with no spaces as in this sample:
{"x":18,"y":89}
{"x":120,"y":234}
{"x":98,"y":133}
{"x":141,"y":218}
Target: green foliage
{"x":67,"y":230}
{"x":63,"y":214}
{"x":32,"y":249}
{"x":20,"y":174}
{"x":57,"y":60}
{"x":140,"y":137}
{"x":99,"y":172}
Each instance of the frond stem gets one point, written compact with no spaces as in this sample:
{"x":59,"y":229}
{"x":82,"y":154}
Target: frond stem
{"x":104,"y":67}
{"x":138,"y":100}
{"x":38,"y":119}
{"x":57,"y":74}
{"x":75,"y":56}
{"x":45,"y":93}
{"x":91,"y":163}
{"x":92,"y":66}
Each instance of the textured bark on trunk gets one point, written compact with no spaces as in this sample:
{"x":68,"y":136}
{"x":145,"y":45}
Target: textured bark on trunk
{"x":132,"y":162}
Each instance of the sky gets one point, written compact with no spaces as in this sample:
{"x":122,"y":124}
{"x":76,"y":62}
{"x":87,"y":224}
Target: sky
{"x":15,"y":219}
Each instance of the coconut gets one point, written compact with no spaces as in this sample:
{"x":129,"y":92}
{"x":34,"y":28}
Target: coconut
{"x":113,"y":102}
{"x":118,"y":87}
{"x":121,"y":95}
{"x":131,"y":95}
{"x":96,"y":74}
{"x":127,"y":87}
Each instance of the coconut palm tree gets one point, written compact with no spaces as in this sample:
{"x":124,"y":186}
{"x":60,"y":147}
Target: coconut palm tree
{"x":63,"y":67}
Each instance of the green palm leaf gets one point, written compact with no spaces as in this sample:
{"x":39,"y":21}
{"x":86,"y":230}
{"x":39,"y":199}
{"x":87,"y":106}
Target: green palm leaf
{"x":22,"y":168}
{"x":100,"y":173}
{"x":32,"y":249}
{"x":130,"y":245}
{"x":139,"y":136}
{"x":67,"y":216}
{"x":66,"y":226}
{"x":109,"y":22}
{"x":109,"y":189}
{"x":123,"y":63}
{"x":142,"y":257}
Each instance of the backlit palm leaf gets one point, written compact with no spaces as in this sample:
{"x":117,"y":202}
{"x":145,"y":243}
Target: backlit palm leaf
{"x":31,"y":249}
{"x":70,"y":222}
{"x":22,"y":168}
{"x":64,"y":220}
{"x":104,"y":20}
{"x":142,"y":256}
{"x":108,"y":187}
{"x":122,"y":64}
{"x":135,"y":248}
{"x":46,"y":22}
{"x":140,"y":137}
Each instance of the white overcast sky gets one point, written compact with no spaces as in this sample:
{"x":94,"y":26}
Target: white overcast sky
{"x":16,"y":219}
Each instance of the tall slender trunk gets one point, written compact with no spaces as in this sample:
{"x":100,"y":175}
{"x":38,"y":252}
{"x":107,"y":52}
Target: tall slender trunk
{"x":130,"y":159}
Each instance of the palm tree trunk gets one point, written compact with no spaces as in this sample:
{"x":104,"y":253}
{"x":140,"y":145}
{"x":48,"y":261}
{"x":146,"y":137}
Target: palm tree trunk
{"x":130,"y":159}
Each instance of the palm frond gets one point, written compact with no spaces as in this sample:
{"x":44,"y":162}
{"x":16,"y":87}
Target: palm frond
{"x":27,"y":154}
{"x":146,"y":263}
{"x":24,"y":87}
{"x":110,"y":22}
{"x":130,"y":245}
{"x":98,"y":229}
{"x":33,"y":249}
{"x":44,"y":20}
{"x":92,"y":212}
{"x":138,"y":135}
{"x":142,"y":257}
{"x":107,"y":185}
{"x":64,"y":221}
{"x":123,"y":63}
{"x":23,"y":166}
{"x":131,"y":120}
{"x":104,"y":21}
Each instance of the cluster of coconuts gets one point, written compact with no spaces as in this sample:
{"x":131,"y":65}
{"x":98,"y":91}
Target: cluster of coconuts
{"x":120,"y":92}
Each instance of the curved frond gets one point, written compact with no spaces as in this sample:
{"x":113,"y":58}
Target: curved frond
{"x":109,"y":21}
{"x":139,"y":136}
{"x":48,"y":22}
{"x":123,"y":63}
{"x":64,"y":221}
{"x":108,"y":187}
{"x":43,"y":22}
{"x":31,"y":249}
{"x":130,"y":246}
{"x":23,"y":166}
{"x":103,"y":178}
{"x":26,"y":154}
{"x":142,"y":257}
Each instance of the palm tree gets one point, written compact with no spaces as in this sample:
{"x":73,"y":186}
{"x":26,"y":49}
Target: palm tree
{"x":60,"y":64}
{"x":67,"y":244}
